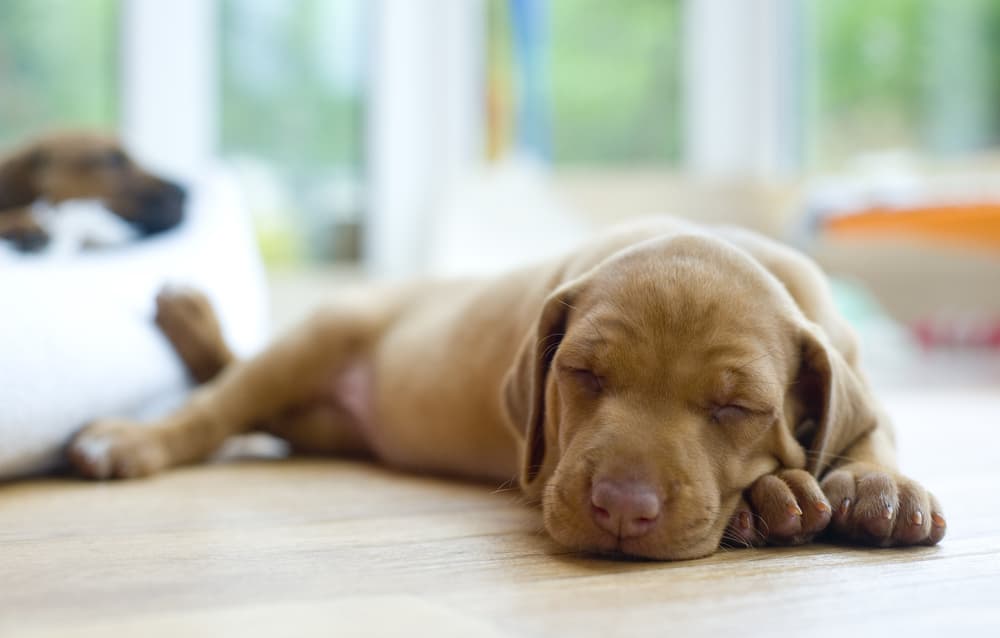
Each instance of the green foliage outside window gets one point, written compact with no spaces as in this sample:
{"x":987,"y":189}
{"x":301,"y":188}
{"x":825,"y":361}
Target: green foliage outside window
{"x":615,"y":73}
{"x":58,"y":66}
{"x":900,"y":74}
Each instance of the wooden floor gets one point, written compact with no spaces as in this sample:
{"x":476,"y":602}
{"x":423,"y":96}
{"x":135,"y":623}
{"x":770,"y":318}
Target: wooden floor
{"x":329,"y":548}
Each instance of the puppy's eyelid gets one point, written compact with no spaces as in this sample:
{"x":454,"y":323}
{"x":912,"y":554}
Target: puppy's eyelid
{"x":729,"y":413}
{"x":737,"y":412}
{"x":588,"y":379}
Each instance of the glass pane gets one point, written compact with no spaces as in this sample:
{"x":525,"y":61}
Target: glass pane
{"x":917,"y":75}
{"x":58,"y":65}
{"x":593,"y":82}
{"x":292,"y":119}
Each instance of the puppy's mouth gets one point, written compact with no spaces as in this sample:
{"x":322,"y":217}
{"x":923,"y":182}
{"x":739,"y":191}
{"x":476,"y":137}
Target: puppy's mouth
{"x":689,"y":546}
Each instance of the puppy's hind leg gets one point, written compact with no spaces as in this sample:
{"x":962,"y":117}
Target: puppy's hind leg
{"x":289,"y":375}
{"x":187,"y":320}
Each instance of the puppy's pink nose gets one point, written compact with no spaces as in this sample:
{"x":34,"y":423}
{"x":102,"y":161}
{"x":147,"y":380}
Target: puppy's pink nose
{"x":627,"y":509}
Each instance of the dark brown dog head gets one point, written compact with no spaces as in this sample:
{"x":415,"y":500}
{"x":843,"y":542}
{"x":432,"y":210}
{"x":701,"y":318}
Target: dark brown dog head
{"x":69,"y":166}
{"x":660,"y":385}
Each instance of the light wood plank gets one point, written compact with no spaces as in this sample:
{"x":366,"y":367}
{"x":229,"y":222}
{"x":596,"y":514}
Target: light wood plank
{"x":324,"y":547}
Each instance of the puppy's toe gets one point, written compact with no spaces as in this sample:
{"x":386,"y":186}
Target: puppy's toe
{"x":876,"y":506}
{"x":913,"y":521}
{"x":116,"y":449}
{"x":790,"y":507}
{"x":742,"y":530}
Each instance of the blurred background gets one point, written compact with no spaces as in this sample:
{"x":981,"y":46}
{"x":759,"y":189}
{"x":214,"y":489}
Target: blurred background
{"x":393,"y":138}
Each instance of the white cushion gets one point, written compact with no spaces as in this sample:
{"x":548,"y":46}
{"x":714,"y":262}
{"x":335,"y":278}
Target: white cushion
{"x":77,"y":340}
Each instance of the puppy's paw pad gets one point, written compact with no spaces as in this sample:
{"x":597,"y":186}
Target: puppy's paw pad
{"x":116,"y":449}
{"x":877,"y":507}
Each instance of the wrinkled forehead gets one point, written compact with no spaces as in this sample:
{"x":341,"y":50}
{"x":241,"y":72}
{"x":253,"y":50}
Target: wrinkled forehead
{"x":702,"y":317}
{"x":713,"y":337}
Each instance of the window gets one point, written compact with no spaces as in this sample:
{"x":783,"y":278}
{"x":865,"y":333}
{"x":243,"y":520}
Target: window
{"x":586,"y":82}
{"x":292,"y":120}
{"x":58,"y":66}
{"x":919,"y":75}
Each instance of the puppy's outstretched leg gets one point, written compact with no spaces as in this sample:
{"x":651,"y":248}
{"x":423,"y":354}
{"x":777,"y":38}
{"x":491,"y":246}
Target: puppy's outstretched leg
{"x":292,"y":376}
{"x":187,"y":319}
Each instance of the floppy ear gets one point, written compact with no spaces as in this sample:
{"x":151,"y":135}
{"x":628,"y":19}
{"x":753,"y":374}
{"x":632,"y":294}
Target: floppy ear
{"x":18,"y":185}
{"x":836,"y":407}
{"x":525,"y":385}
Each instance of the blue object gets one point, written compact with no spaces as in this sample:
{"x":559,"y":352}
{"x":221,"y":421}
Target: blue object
{"x":530,"y":22}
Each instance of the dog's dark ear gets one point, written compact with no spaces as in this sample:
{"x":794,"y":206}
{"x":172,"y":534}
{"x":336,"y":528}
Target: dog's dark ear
{"x":836,"y":408}
{"x":18,"y":177}
{"x":525,"y":387}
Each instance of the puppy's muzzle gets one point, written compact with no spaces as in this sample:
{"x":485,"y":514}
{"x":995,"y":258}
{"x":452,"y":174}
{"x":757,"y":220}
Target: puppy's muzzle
{"x":149,"y":204}
{"x":159,"y":207}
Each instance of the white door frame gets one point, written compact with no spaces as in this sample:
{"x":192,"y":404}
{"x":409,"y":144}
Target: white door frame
{"x":169,"y":79}
{"x":424,"y":121}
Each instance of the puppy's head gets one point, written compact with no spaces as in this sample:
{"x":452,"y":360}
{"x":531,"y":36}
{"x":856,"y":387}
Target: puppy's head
{"x":660,"y":385}
{"x":90,"y":166}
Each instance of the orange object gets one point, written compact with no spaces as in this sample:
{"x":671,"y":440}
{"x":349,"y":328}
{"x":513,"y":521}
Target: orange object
{"x":969,"y":224}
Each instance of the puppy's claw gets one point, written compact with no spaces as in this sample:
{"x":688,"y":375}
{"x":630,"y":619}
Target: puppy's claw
{"x":845,"y":507}
{"x":744,"y":519}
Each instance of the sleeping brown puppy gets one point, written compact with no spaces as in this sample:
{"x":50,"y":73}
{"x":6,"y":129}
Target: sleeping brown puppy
{"x":660,"y":390}
{"x":66,"y":166}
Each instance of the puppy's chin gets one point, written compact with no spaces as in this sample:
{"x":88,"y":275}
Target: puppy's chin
{"x":651,"y":547}
{"x":568,"y":521}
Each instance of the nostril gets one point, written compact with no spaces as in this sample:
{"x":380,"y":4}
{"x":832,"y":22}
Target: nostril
{"x":600,"y":512}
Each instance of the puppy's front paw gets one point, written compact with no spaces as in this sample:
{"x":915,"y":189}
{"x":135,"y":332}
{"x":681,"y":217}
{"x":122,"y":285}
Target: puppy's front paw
{"x":874,"y":506}
{"x":784,"y":508}
{"x":116,"y":449}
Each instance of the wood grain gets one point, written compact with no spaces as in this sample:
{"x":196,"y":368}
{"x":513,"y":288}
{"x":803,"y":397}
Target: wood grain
{"x":334,"y":548}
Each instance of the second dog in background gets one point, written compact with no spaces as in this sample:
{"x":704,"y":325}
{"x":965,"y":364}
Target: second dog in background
{"x":67,"y":166}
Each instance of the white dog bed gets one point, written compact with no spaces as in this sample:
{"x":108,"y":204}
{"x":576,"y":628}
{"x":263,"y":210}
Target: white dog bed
{"x":77,"y":339}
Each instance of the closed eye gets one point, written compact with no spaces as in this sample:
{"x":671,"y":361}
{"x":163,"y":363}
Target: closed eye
{"x":733,"y":414}
{"x":588,"y":380}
